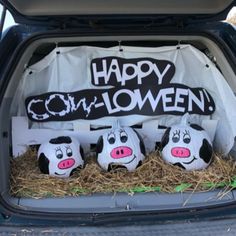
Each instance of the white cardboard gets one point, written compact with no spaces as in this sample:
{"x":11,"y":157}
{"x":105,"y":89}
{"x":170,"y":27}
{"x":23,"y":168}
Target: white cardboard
{"x":23,"y":136}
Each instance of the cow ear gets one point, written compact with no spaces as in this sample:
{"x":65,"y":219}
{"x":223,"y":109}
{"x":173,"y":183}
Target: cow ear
{"x":142,"y":147}
{"x":196,"y":127}
{"x":205,"y":151}
{"x":43,"y":163}
{"x":99,"y":146}
{"x":81,"y":152}
{"x":165,"y":138}
{"x":141,"y":143}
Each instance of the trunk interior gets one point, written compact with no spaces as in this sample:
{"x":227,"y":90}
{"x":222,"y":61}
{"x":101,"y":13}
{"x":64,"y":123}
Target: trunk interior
{"x":101,"y":202}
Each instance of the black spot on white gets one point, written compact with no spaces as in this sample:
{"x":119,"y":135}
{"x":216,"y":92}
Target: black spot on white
{"x":139,"y":164}
{"x":99,"y":146}
{"x":165,"y":138}
{"x":205,"y":151}
{"x":141,"y":144}
{"x":196,"y":127}
{"x":60,"y":140}
{"x":43,"y":163}
{"x":81,"y":152}
{"x":115,"y":167}
{"x":179,"y":165}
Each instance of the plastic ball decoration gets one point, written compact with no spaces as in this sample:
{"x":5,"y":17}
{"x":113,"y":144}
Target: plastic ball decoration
{"x":187,"y":146}
{"x":121,"y":147}
{"x":60,"y":156}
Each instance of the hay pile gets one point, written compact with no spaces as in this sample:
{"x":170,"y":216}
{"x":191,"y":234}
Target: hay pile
{"x":153,"y":175}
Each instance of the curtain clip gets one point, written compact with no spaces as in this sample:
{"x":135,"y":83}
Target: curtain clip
{"x":57,"y":49}
{"x":120,"y":47}
{"x":179,"y":44}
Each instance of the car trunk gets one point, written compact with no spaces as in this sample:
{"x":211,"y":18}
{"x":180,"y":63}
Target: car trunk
{"x":37,"y":47}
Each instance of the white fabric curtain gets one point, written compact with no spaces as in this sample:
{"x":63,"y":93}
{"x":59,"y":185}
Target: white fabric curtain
{"x":70,"y":71}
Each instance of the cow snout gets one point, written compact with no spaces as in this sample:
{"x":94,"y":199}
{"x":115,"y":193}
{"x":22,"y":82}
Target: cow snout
{"x":121,"y":152}
{"x":180,"y":152}
{"x":66,"y":164}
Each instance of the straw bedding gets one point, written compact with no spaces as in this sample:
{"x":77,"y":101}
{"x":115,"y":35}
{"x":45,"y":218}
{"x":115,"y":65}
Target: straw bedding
{"x":153,"y":175}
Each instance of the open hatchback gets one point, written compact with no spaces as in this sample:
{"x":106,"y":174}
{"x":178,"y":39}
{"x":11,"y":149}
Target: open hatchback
{"x":80,"y":68}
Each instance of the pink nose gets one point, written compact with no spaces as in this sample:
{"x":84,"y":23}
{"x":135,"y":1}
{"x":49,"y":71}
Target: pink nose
{"x":65,"y":164}
{"x":121,"y":152}
{"x":180,"y":152}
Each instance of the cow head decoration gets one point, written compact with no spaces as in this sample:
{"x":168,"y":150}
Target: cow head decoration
{"x":121,"y":146}
{"x":60,"y":156}
{"x":187,"y":146}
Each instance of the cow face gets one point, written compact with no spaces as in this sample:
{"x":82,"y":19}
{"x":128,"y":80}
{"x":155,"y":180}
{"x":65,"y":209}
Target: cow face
{"x":187,"y":146}
{"x":122,"y":147}
{"x":60,"y":156}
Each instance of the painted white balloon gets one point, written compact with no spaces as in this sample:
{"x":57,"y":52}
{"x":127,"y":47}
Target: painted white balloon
{"x":120,"y":146}
{"x":187,"y":146}
{"x":60,"y":156}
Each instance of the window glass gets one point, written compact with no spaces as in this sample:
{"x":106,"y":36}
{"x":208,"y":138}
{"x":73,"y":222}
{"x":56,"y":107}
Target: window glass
{"x":231,"y":18}
{"x":8,"y":20}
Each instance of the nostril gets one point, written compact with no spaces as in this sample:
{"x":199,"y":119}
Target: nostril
{"x":122,"y":151}
{"x":117,"y":152}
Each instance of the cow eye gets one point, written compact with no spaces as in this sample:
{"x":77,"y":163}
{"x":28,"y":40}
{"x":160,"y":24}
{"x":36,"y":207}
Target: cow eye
{"x":69,"y":151}
{"x":176,"y":136}
{"x":186,"y":137}
{"x":123,"y":136}
{"x":59,"y":153}
{"x":111,"y":138}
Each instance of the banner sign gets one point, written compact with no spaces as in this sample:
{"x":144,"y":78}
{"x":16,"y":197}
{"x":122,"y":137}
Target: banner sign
{"x":139,"y":86}
{"x":119,"y":71}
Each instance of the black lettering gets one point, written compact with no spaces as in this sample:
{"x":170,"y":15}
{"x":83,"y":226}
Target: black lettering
{"x":118,"y":71}
{"x":175,"y":99}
